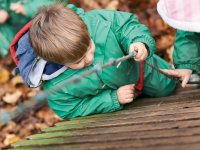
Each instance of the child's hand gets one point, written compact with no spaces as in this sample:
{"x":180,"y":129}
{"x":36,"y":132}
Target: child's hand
{"x":141,"y":49}
{"x":3,"y":16}
{"x":183,"y":74}
{"x":125,"y":94}
{"x":18,"y":8}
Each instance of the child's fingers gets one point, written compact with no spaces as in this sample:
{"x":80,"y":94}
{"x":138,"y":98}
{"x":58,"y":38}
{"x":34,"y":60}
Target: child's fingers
{"x":139,"y":54}
{"x":3,"y":16}
{"x":129,"y":87}
{"x":185,"y":81}
{"x":128,"y":100}
{"x":144,"y":55}
{"x":14,"y":7}
{"x":129,"y":96}
{"x":183,"y":74}
{"x":129,"y":92}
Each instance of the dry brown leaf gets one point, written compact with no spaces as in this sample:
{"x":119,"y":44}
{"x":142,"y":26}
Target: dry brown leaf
{"x":4,"y":76}
{"x":91,"y":4}
{"x":2,"y":92}
{"x":8,"y":87}
{"x":40,"y":126}
{"x":41,"y":114}
{"x":169,"y":53}
{"x":10,"y":126}
{"x":165,"y":42}
{"x":33,"y":92}
{"x":17,"y":80}
{"x":104,"y":2}
{"x":112,"y":5}
{"x":11,"y":138}
{"x":160,"y":25}
{"x":12,"y":98}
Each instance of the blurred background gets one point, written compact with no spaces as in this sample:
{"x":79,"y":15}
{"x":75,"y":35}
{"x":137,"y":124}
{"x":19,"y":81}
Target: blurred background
{"x":13,"y":92}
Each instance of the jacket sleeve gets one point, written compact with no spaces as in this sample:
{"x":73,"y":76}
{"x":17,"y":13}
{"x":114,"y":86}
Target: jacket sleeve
{"x":69,"y":106}
{"x":3,"y":5}
{"x":33,"y":6}
{"x":128,"y":29}
{"x":187,"y":50}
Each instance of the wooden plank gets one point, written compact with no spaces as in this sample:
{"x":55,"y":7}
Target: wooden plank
{"x":129,"y":121}
{"x":164,"y":100}
{"x":141,"y":135}
{"x":127,"y":128}
{"x":148,"y":124}
{"x":119,"y":140}
{"x":145,"y":113}
{"x":146,"y":105}
{"x":125,"y":146}
{"x":148,"y":108}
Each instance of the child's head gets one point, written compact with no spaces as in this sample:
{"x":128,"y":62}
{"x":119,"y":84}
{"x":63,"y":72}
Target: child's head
{"x":59,"y":35}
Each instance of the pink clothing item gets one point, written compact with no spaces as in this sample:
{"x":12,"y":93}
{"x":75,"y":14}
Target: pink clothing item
{"x":181,"y":14}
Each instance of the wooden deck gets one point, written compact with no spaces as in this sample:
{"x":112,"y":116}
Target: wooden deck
{"x":169,"y":123}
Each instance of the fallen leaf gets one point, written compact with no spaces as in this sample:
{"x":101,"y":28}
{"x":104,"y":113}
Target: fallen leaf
{"x":113,"y":5}
{"x":12,"y":98}
{"x":17,"y":80}
{"x":4,"y":75}
{"x":11,"y":138}
{"x":169,"y":54}
{"x":104,"y":2}
{"x":10,"y":126}
{"x":165,"y":42}
{"x":91,"y":4}
{"x":2,"y":92}
{"x":40,"y":126}
{"x":33,"y":92}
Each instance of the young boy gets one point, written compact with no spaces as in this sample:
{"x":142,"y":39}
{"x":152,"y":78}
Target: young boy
{"x":14,"y":14}
{"x":75,"y":42}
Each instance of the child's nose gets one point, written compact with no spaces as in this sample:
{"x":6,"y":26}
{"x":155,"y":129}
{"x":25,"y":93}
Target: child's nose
{"x":88,"y":60}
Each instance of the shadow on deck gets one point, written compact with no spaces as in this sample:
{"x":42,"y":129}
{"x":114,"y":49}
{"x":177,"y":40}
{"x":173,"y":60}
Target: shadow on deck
{"x":168,"y":123}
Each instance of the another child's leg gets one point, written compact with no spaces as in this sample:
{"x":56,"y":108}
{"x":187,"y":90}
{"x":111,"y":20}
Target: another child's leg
{"x":155,"y":83}
{"x":6,"y":36}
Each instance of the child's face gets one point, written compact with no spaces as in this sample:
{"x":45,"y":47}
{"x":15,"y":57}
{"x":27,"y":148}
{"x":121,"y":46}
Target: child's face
{"x":86,"y":60}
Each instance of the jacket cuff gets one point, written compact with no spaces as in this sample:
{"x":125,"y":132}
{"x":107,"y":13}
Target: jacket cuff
{"x":116,"y":104}
{"x":193,"y":67}
{"x":148,"y":42}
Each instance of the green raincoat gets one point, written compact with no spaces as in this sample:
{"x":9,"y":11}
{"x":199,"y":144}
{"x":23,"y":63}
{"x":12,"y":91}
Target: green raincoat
{"x":16,"y":21}
{"x":112,"y":33}
{"x":187,"y":50}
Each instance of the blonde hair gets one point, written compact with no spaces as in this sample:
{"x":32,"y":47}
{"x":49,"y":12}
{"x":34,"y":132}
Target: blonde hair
{"x":59,"y":35}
